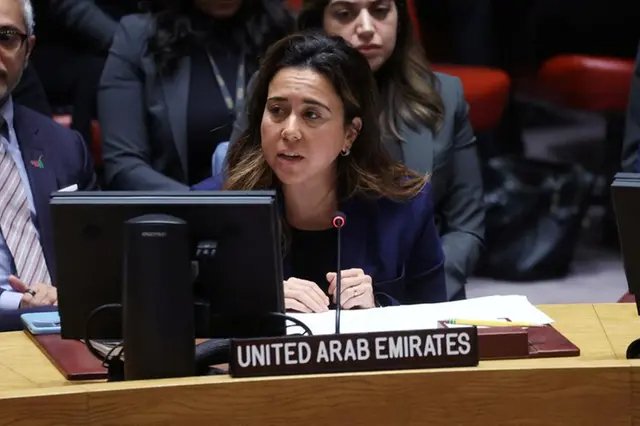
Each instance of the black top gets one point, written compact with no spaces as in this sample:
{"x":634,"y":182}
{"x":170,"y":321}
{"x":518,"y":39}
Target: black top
{"x":313,"y":254}
{"x":209,"y":121}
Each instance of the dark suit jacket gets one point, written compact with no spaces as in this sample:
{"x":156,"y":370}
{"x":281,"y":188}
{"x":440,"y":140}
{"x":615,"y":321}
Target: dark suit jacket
{"x":451,"y":156}
{"x":631,"y":144}
{"x":396,"y":243}
{"x":66,"y":162}
{"x":86,"y":18}
{"x":143,"y":115}
{"x":95,"y":21}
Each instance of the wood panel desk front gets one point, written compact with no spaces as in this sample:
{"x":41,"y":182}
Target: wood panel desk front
{"x":600,"y":387}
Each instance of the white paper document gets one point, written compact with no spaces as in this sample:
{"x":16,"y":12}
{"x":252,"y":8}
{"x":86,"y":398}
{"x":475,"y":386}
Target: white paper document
{"x":423,"y":316}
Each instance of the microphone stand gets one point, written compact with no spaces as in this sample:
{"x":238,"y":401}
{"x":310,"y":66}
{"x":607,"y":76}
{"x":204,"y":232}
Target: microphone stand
{"x":338,"y":286}
{"x":338,"y":222}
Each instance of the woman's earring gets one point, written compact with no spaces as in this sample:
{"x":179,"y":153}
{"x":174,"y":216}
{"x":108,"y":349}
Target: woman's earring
{"x":345,"y":152}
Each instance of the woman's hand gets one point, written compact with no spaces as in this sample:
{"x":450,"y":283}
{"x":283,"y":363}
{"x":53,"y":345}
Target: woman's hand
{"x":357,"y":289}
{"x":304,"y":296}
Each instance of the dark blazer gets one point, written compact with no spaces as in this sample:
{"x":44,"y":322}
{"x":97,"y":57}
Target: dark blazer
{"x":396,"y":243}
{"x":95,"y":21}
{"x":65,"y":161}
{"x":86,"y":18}
{"x":631,"y":144}
{"x":143,"y":115}
{"x":451,"y":157}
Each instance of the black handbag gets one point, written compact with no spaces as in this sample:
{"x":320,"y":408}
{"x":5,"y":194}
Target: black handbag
{"x":534,"y":212}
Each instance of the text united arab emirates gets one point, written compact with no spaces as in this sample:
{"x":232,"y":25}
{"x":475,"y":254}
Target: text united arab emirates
{"x":354,"y":352}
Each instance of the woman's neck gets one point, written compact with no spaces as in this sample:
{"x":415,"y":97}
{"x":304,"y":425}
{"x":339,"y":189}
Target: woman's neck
{"x":310,"y":207}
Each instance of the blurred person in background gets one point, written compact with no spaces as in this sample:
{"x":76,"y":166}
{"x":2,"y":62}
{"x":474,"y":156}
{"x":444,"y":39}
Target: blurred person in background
{"x":171,"y":84}
{"x":73,"y":40}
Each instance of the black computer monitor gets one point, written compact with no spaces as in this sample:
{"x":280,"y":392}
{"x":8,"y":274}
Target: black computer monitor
{"x":625,"y":191}
{"x":241,"y":284}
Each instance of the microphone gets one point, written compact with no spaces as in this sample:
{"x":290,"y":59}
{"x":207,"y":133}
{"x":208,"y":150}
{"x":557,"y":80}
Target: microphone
{"x":339,"y":220}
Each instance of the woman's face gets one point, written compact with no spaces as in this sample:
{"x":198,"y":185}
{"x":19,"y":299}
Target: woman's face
{"x":368,"y":25}
{"x":303,"y":129}
{"x":219,"y":9}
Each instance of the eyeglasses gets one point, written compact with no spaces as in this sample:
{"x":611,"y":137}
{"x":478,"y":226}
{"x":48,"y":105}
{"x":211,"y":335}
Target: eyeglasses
{"x":12,"y":40}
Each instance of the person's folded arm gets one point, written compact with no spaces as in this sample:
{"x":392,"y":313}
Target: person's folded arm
{"x":86,"y":176}
{"x":122,"y":115}
{"x":631,"y":143}
{"x":462,"y":208}
{"x":424,"y":269}
{"x":86,"y":19}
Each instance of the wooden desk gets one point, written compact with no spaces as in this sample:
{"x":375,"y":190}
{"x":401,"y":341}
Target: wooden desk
{"x":600,"y":387}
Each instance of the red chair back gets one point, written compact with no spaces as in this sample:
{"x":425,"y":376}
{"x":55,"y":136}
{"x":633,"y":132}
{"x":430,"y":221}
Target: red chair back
{"x":592,"y":83}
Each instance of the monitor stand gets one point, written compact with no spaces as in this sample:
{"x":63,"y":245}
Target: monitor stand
{"x":158,"y":300}
{"x":633,"y":350}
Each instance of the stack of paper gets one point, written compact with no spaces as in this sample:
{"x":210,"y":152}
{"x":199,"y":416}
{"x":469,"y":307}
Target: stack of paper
{"x":423,"y":316}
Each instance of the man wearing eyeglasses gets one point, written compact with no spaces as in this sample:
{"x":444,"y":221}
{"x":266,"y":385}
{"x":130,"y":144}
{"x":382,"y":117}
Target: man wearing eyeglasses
{"x":37,"y":157}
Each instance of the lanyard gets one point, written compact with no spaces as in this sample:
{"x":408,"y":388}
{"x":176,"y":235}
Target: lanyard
{"x":228,"y":100}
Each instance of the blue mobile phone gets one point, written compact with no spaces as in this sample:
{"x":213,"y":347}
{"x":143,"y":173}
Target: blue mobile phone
{"x":42,"y":322}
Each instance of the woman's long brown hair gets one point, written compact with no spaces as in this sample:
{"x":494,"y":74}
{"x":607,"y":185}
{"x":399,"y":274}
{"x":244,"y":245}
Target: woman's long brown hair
{"x":368,"y":170}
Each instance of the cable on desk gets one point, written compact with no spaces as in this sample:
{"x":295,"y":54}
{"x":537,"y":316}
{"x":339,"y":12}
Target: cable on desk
{"x":111,"y":361}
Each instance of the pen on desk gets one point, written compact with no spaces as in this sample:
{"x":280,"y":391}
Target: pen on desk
{"x":489,"y":323}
